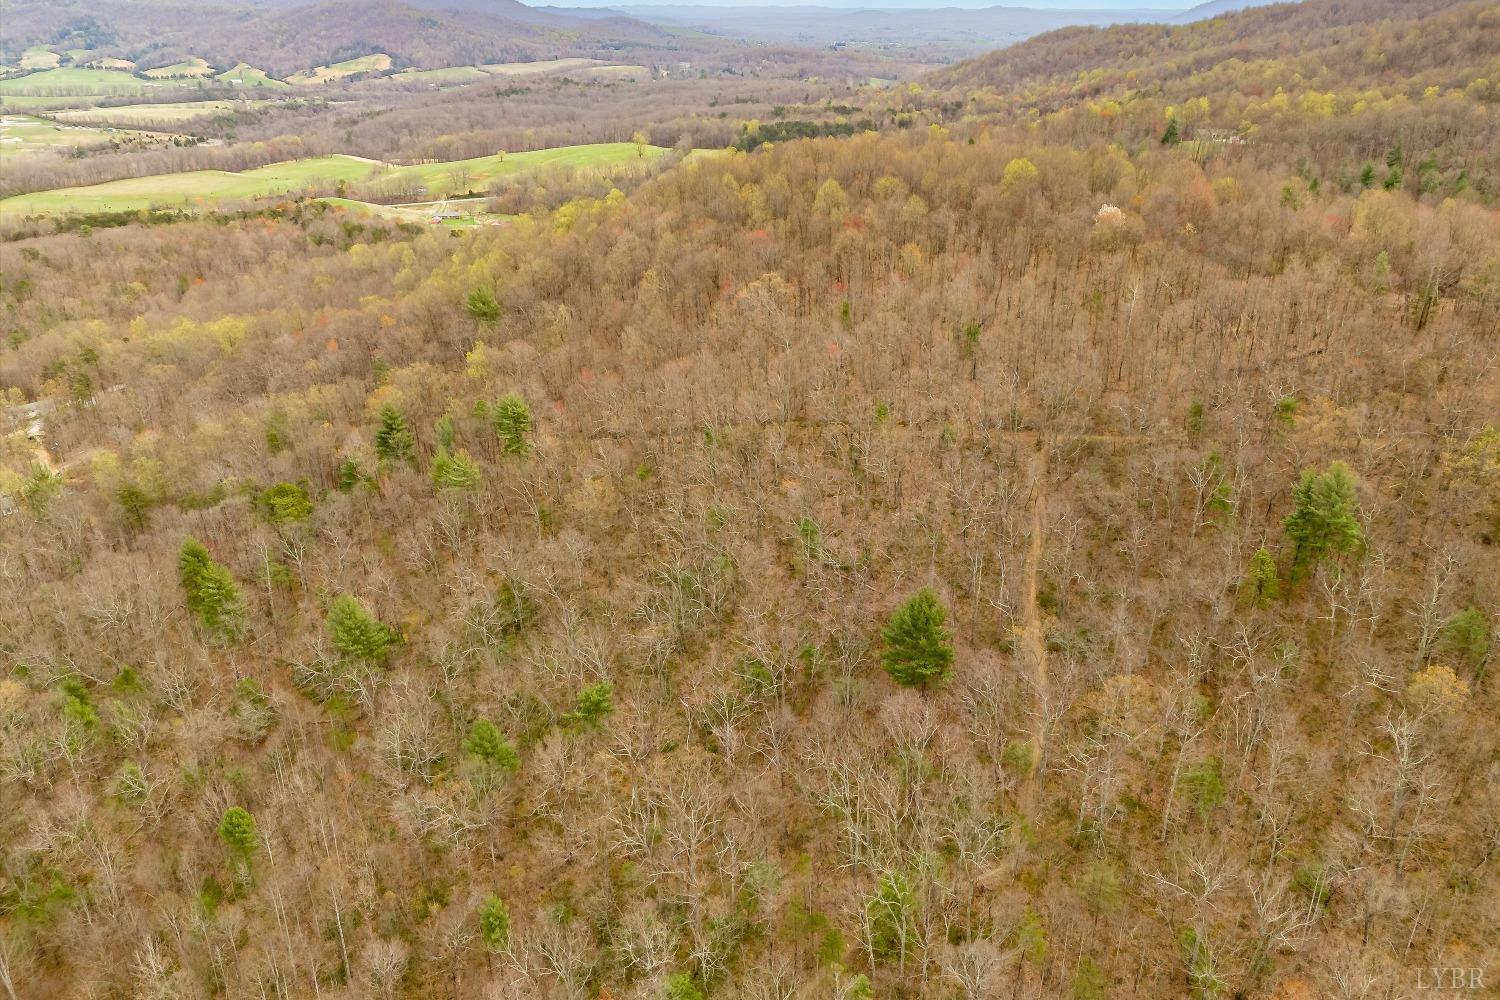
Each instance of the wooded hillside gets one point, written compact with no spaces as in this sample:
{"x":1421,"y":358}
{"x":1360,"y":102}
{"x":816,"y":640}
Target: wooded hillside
{"x":977,"y":559}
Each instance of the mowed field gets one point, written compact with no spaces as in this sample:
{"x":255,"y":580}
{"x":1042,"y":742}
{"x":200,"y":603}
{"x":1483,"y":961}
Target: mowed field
{"x":71,"y":80}
{"x":204,"y":188}
{"x":246,"y":75}
{"x":450,"y":74}
{"x":192,"y":67}
{"x":22,"y":133}
{"x":377,"y":63}
{"x":139,"y":114}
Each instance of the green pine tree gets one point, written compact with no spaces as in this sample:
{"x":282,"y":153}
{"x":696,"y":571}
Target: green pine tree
{"x":494,"y":924}
{"x":1262,"y":585}
{"x":212,"y":594}
{"x":893,"y":918}
{"x":486,"y":745}
{"x":1173,"y":135}
{"x":1467,"y":634}
{"x":350,"y":475}
{"x":482,"y":306}
{"x":594,"y":703}
{"x":356,"y":633}
{"x":285,"y":503}
{"x":1089,"y":981}
{"x":237,"y":830}
{"x":1322,"y":524}
{"x":512,"y":419}
{"x":1367,"y":175}
{"x":680,"y":986}
{"x":916,"y":643}
{"x":393,"y":440}
{"x":454,"y":472}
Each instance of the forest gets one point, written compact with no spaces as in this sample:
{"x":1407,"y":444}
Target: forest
{"x":1037,"y":541}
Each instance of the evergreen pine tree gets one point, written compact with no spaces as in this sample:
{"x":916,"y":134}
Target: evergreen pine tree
{"x":1467,"y":634}
{"x":350,"y":475}
{"x":482,"y":306}
{"x":1262,"y":586}
{"x":1322,"y":522}
{"x":285,"y":503}
{"x":486,"y":745}
{"x":237,"y":830}
{"x":916,"y":643}
{"x":494,"y":924}
{"x":356,"y":633}
{"x":512,"y":419}
{"x":892,"y":913}
{"x":393,"y":440}
{"x":212,"y":595}
{"x":594,"y":703}
{"x":454,"y":472}
{"x":1173,"y":135}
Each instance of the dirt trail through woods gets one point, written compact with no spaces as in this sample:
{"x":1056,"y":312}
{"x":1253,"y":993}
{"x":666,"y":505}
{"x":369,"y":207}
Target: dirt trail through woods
{"x":1033,"y":637}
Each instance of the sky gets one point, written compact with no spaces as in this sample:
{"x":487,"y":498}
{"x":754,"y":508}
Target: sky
{"x":893,"y":4}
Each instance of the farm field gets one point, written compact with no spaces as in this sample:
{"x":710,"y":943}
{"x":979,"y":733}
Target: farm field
{"x":194,"y":67}
{"x":377,"y":63}
{"x":424,"y":212}
{"x":40,"y":57}
{"x":449,"y":74}
{"x":193,"y":188}
{"x":248,"y":76}
{"x":138,"y":114}
{"x":205,"y":187}
{"x":479,"y":171}
{"x":540,"y":66}
{"x":73,"y":81}
{"x":23,"y":133}
{"x":618,"y":72}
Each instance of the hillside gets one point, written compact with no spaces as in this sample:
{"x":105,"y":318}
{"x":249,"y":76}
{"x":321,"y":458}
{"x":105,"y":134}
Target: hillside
{"x":296,"y":38}
{"x":1346,"y":42}
{"x":1030,"y":533}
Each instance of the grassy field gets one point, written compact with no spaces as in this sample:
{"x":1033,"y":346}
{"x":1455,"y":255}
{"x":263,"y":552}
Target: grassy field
{"x":377,"y":63}
{"x":188,"y":67}
{"x":618,"y":72}
{"x":40,"y":57}
{"x":140,"y":114}
{"x":540,"y":66}
{"x":202,"y":188}
{"x":73,"y":81}
{"x":422,"y":213}
{"x":197,"y":188}
{"x":23,"y":134}
{"x":450,"y":74}
{"x":478,"y":172}
{"x":249,"y":76}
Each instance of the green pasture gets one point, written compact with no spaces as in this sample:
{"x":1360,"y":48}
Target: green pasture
{"x":138,"y":114}
{"x":202,"y":188}
{"x":193,"y":66}
{"x":72,"y":80}
{"x":22,"y":134}
{"x":377,"y":63}
{"x":248,"y":76}
{"x":450,"y":74}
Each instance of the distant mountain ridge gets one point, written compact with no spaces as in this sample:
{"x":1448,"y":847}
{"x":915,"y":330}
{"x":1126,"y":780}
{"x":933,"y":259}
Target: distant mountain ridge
{"x":1320,"y":34}
{"x":285,"y":38}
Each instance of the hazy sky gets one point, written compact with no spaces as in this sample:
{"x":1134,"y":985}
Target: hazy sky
{"x":896,"y":4}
